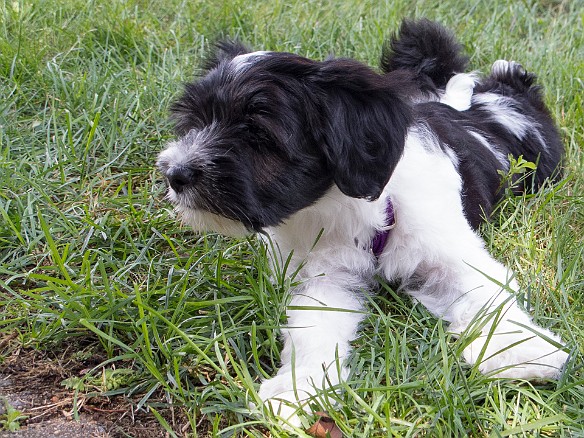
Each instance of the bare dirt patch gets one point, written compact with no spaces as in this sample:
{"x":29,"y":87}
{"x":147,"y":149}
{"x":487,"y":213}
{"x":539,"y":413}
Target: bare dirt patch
{"x":31,"y":383}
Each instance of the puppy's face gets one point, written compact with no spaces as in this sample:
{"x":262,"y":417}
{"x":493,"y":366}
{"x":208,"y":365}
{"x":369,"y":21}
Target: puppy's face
{"x":263,"y":135}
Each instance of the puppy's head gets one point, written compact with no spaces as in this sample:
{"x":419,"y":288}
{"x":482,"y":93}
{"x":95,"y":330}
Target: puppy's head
{"x":262,"y":135}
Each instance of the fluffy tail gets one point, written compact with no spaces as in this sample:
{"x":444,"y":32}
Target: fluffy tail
{"x":427,"y":49}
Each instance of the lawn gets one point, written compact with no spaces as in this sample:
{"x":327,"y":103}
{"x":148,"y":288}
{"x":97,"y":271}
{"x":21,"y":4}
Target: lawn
{"x":97,"y":276}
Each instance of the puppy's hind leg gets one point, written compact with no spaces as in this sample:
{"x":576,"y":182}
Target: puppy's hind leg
{"x":443,"y":264}
{"x":479,"y":301}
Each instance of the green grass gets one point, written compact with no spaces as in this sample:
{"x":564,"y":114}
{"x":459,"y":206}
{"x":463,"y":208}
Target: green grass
{"x":91,"y":253}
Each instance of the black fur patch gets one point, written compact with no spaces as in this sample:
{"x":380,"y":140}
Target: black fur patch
{"x":429,"y":51}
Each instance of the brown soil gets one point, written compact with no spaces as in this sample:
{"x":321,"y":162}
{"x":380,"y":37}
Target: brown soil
{"x":31,"y":382}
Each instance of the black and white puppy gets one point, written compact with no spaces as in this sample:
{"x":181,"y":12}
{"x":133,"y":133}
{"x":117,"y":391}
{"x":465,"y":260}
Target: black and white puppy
{"x":324,"y":156}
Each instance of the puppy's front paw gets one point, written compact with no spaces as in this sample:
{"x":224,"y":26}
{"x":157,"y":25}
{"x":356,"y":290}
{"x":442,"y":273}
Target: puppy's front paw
{"x":287,"y":398}
{"x":515,"y":352}
{"x":287,"y":409}
{"x":288,"y":394}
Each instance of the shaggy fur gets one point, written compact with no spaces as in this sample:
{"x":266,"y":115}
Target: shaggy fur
{"x":309,"y":153}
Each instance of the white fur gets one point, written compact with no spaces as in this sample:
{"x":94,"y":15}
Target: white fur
{"x":432,"y":240}
{"x":501,"y":66}
{"x":502,"y":107}
{"x":502,"y":111}
{"x":241,"y":62}
{"x":201,"y":220}
{"x":337,"y":270}
{"x":458,"y":91}
{"x":190,"y":147}
{"x":435,"y":243}
{"x":500,"y":156}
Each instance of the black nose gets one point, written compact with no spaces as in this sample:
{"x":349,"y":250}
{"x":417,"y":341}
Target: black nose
{"x":181,"y":177}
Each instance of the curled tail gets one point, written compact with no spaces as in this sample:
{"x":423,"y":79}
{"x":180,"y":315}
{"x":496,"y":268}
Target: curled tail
{"x":427,"y":49}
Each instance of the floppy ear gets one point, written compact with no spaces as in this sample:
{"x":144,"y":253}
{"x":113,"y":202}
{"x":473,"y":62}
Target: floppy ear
{"x":366,"y":121}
